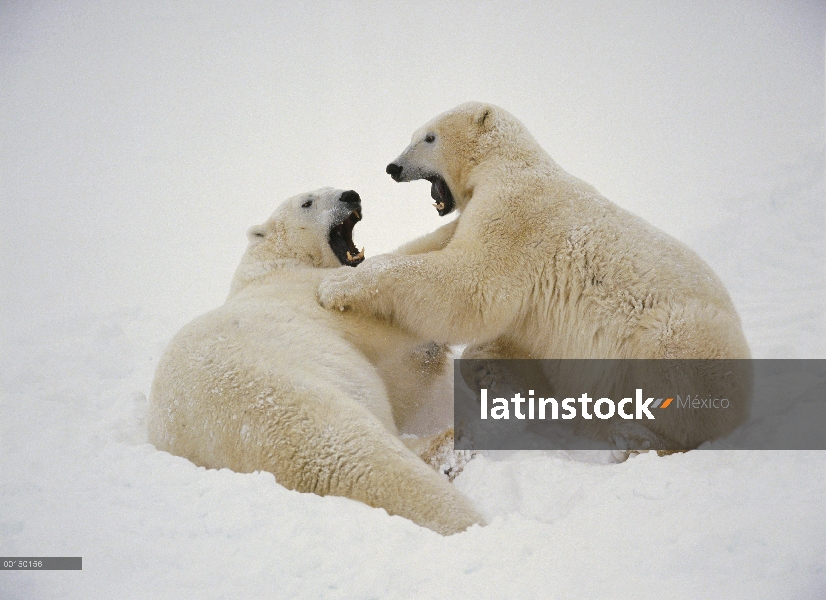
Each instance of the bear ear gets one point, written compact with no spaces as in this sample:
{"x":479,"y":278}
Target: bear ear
{"x":256,"y":233}
{"x":483,"y":116}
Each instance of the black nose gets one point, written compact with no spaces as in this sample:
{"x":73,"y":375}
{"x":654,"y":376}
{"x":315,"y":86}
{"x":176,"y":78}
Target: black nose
{"x":394,"y":171}
{"x":350,"y":196}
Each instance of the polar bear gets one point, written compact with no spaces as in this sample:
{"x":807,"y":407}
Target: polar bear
{"x":271,"y":381}
{"x":539,"y":265}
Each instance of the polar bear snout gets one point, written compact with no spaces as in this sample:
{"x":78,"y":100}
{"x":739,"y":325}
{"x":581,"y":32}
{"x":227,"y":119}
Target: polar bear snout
{"x":410,"y":165}
{"x":395,"y":171}
{"x":439,"y":190}
{"x":350,"y":196}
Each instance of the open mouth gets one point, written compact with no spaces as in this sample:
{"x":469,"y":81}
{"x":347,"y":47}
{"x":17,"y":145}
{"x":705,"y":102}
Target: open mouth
{"x":440,"y":192}
{"x":341,"y":241}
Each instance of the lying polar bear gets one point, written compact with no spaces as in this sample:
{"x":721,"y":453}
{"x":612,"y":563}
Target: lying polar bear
{"x":271,"y":381}
{"x":539,"y":265}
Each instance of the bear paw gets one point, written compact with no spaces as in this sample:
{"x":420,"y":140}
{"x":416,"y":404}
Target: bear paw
{"x":441,"y":456}
{"x":337,"y":290}
{"x":487,"y":375}
{"x":358,"y":288}
{"x":633,"y":438}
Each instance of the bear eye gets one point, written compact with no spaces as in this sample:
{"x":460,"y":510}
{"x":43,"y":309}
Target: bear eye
{"x":307,"y":204}
{"x":429,"y":138}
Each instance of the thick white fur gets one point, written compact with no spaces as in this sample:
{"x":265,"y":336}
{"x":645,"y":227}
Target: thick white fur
{"x":271,"y":381}
{"x":539,"y":265}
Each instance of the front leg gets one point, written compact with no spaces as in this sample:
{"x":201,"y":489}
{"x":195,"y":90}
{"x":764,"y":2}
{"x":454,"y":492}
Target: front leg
{"x":365,"y":274}
{"x":449,"y":296}
{"x":355,"y":289}
{"x":430,"y":242}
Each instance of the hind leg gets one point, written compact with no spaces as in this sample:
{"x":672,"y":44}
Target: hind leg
{"x":336,"y":447}
{"x":708,"y":359}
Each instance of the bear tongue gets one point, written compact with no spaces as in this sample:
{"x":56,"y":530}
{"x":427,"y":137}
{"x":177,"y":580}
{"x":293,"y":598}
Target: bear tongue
{"x":435,"y":190}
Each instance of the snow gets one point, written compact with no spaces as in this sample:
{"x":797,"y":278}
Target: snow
{"x":139,"y":141}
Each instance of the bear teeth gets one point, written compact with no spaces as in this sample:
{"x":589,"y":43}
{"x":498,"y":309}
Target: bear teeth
{"x":358,"y":256}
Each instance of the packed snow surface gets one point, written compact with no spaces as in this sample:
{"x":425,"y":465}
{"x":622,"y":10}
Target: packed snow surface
{"x":139,"y":141}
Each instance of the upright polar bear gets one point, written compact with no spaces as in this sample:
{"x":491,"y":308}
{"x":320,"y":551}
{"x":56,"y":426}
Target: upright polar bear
{"x":271,"y":381}
{"x":540,"y":265}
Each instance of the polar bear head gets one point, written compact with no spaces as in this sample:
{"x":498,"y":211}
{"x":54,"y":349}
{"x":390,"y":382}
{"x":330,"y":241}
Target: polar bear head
{"x":448,"y":149}
{"x":314,"y":229}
